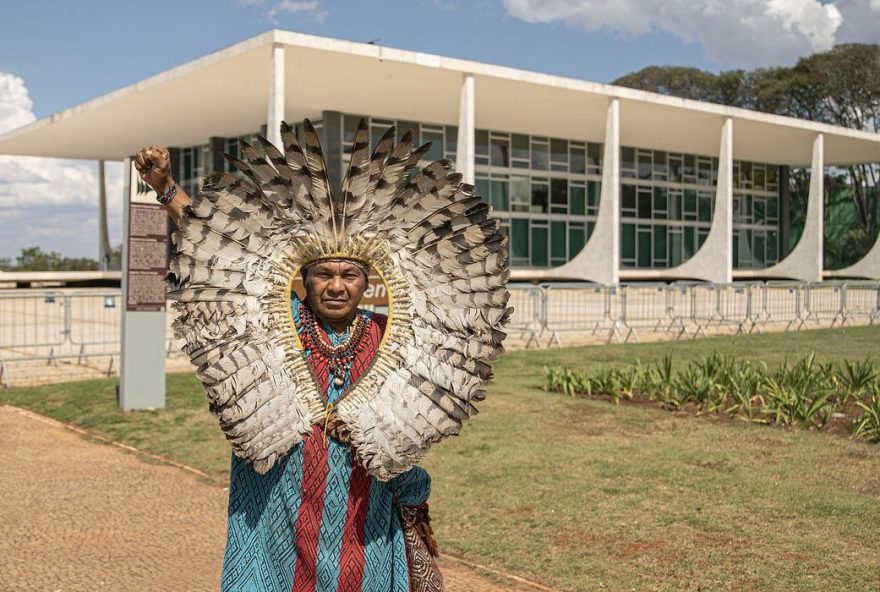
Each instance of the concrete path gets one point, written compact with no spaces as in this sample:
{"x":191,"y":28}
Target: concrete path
{"x":80,"y":515}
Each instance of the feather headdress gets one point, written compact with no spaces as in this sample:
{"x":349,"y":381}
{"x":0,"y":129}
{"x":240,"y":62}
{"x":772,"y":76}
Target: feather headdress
{"x":443,"y":259}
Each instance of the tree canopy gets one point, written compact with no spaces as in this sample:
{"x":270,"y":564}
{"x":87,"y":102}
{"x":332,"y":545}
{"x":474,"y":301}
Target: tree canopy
{"x":839,"y":87}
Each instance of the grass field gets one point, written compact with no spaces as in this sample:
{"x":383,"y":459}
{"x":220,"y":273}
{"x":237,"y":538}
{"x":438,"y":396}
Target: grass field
{"x":587,"y":495}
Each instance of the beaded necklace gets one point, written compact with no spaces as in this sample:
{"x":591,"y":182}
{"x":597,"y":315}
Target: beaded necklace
{"x":339,"y":357}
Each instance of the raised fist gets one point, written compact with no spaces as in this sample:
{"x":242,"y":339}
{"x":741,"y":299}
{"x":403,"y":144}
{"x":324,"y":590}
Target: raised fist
{"x":154,"y":165}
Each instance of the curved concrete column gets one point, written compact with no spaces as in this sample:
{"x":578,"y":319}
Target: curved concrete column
{"x":599,"y":260}
{"x":805,"y":260}
{"x":713,"y":262}
{"x":464,"y":155}
{"x":276,"y":95}
{"x":867,"y":268}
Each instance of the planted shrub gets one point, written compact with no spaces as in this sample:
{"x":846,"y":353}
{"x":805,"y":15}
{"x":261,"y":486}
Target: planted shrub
{"x":804,"y":393}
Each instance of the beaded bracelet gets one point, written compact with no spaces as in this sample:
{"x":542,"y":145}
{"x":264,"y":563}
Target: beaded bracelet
{"x":169,"y":194}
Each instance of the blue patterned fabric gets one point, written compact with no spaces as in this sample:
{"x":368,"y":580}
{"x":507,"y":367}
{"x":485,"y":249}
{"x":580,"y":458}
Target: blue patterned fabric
{"x":261,"y":545}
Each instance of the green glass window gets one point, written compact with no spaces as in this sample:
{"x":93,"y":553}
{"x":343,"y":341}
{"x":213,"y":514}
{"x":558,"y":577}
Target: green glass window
{"x":500,"y":152}
{"x":540,"y":198}
{"x":436,"y":139}
{"x":576,"y":200}
{"x":675,"y":168}
{"x":520,"y":146}
{"x":660,"y":243}
{"x":540,"y":156}
{"x":628,"y":199}
{"x":451,"y":139}
{"x":659,"y":165}
{"x":539,"y":246}
{"x":772,"y":209}
{"x":645,"y":164}
{"x":520,"y":194}
{"x":674,"y":204}
{"x":759,"y":210}
{"x":674,"y":249}
{"x":593,"y":190}
{"x":645,"y":202}
{"x":644,"y":247}
{"x":735,"y":249}
{"x":628,"y":162}
{"x":481,"y":143}
{"x":578,"y":162}
{"x":772,"y":178}
{"x":628,"y":241}
{"x":690,"y":204}
{"x":557,"y":240}
{"x":559,"y":151}
{"x":558,"y":196}
{"x":660,"y":206}
{"x":483,"y":189}
{"x":758,"y":250}
{"x":500,"y":195}
{"x":705,"y":208}
{"x":519,"y":240}
{"x":772,"y":246}
{"x":576,"y":240}
{"x":690,"y":241}
{"x":594,"y":157}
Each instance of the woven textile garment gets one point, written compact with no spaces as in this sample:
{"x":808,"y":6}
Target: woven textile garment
{"x":316,"y":522}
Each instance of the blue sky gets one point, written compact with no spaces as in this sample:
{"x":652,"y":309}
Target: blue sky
{"x":54,"y":55}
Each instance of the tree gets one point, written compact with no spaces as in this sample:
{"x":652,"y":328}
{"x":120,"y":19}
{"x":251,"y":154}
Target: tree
{"x":35,"y":259}
{"x":840,"y":87}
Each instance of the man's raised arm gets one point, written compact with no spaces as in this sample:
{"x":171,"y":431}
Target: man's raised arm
{"x":154,"y":165}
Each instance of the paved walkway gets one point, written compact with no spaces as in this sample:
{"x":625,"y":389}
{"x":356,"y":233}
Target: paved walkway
{"x":79,"y":515}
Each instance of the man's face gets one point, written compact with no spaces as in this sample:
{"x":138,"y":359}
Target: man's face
{"x":334,"y":289}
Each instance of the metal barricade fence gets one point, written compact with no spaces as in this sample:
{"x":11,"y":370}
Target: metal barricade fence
{"x":643,"y":306}
{"x":861,"y":300}
{"x":95,"y":319}
{"x":53,"y":326}
{"x":32,"y":319}
{"x":678,"y":308}
{"x":576,"y":306}
{"x":528,"y":302}
{"x":723,"y":305}
{"x":782,"y":302}
{"x":734,"y":307}
{"x":823,"y":302}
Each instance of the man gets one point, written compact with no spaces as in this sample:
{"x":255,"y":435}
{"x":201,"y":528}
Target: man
{"x":316,"y":521}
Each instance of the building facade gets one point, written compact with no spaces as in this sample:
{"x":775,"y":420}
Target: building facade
{"x":592,"y":182}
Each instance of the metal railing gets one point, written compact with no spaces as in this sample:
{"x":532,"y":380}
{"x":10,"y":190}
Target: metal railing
{"x":77,"y":326}
{"x":684,"y":309}
{"x":54,"y":326}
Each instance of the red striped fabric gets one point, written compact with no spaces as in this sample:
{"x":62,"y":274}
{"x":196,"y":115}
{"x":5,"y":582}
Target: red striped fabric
{"x":308,"y":522}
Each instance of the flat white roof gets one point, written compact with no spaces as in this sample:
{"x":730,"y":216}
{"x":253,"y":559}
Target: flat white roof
{"x":226,"y":94}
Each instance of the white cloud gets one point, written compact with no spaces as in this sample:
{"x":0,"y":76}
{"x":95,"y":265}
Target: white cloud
{"x":311,"y":9}
{"x":48,"y":202}
{"x":744,"y":33}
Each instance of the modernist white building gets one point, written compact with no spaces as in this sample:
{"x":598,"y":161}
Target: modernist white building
{"x":594,"y":182}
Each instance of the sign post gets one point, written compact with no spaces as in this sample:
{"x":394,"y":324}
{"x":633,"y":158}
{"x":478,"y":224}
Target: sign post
{"x":144,"y":264}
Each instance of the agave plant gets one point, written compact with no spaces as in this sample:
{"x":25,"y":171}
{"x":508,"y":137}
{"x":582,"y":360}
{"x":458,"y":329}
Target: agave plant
{"x":856,"y":378}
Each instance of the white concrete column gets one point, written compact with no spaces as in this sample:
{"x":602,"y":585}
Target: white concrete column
{"x":276,"y":95}
{"x":606,"y":234}
{"x":599,"y":260}
{"x":805,"y":260}
{"x":464,"y":155}
{"x":713,"y":262}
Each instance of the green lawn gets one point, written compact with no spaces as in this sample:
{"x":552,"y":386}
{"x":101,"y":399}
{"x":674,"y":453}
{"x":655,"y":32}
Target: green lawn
{"x":586,"y":495}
